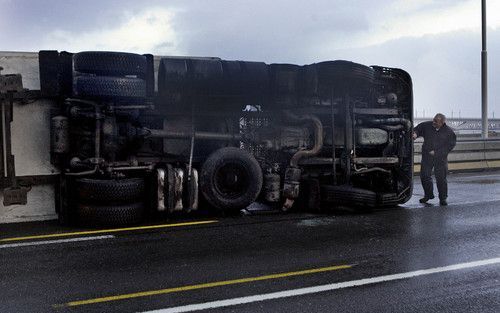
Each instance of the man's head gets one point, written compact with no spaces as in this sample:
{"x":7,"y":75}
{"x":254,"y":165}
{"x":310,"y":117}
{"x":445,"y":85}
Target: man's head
{"x":438,"y":121}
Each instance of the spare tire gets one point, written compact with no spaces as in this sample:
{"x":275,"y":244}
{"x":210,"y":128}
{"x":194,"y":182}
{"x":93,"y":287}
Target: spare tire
{"x":100,"y":215}
{"x":110,"y":63}
{"x":230,"y":179}
{"x":109,"y":87}
{"x":109,"y":190}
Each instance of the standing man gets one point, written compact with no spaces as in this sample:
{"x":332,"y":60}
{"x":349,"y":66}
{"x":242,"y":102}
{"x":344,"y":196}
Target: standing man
{"x":439,"y":140}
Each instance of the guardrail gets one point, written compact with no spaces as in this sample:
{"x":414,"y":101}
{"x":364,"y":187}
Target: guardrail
{"x":467,"y":155}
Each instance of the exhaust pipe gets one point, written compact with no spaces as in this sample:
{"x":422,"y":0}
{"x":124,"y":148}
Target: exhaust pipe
{"x":291,"y":185}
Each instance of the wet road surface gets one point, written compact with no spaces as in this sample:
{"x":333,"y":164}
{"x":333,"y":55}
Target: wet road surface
{"x":414,"y":258}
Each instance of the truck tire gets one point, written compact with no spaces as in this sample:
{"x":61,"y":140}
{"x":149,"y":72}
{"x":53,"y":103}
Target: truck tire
{"x":109,"y":190}
{"x":190,"y":196}
{"x":230,"y":179}
{"x":110,"y":63}
{"x":100,"y":215}
{"x":348,"y":196}
{"x":109,"y":87}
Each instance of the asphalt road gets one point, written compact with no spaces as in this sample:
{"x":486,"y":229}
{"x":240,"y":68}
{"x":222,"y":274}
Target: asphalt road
{"x":414,"y":258}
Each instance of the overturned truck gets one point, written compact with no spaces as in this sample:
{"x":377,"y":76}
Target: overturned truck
{"x":134,"y":135}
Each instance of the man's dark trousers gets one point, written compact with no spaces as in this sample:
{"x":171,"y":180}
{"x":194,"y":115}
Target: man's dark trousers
{"x":440,"y":166}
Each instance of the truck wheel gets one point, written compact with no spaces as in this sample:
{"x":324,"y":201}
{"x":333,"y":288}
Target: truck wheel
{"x":190,"y":199}
{"x":110,"y":63}
{"x":348,"y":195}
{"x":231,"y":179}
{"x":100,"y":215}
{"x":109,"y":87}
{"x":109,"y":190}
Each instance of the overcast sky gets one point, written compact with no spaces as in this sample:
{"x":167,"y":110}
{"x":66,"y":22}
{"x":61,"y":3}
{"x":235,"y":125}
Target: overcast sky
{"x":437,"y":41}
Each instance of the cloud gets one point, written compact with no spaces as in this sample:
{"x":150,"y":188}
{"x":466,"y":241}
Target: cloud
{"x":436,"y":41}
{"x":399,"y":19}
{"x":445,"y":69}
{"x":149,"y":31}
{"x":271,"y":31}
{"x":300,"y":32}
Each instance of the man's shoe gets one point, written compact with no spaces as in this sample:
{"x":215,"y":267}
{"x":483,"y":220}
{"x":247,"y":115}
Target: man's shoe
{"x":425,"y":199}
{"x":443,"y":202}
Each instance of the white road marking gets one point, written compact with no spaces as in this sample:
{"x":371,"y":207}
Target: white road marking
{"x":48,"y":242}
{"x":322,"y":288}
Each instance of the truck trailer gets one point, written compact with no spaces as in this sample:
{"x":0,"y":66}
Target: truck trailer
{"x":133,"y":136}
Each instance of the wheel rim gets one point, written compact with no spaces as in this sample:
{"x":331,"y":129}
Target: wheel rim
{"x":231,"y":180}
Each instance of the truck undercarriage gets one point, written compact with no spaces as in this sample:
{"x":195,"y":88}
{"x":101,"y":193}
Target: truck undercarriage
{"x":224,"y":134}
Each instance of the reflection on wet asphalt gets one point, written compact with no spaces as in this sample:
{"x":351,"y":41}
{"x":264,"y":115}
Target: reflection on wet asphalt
{"x":380,"y":242}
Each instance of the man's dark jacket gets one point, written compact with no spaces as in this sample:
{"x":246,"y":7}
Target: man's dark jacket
{"x":442,"y":141}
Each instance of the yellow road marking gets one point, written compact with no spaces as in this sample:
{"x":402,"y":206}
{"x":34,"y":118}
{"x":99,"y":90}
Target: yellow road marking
{"x":101,"y":231}
{"x":203,"y":286}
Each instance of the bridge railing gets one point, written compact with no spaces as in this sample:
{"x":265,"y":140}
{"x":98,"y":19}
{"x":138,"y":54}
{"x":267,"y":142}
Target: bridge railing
{"x":467,"y":155}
